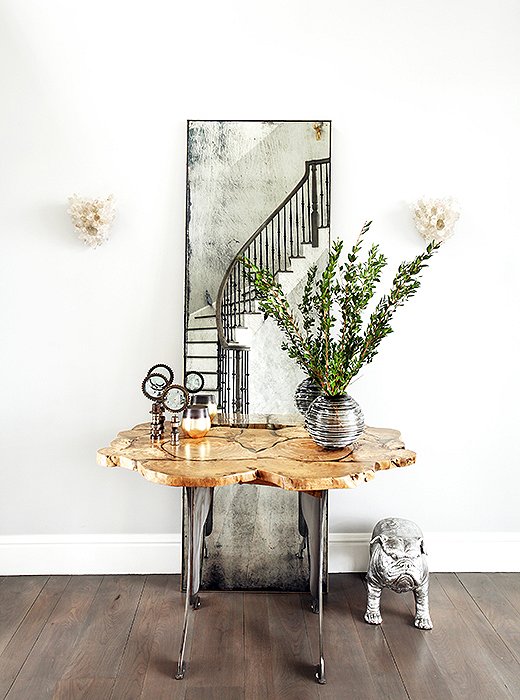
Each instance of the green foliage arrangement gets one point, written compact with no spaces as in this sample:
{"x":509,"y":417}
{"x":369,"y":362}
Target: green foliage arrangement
{"x":328,"y":336}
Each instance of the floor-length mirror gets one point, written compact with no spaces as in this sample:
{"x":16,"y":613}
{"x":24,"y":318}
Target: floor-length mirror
{"x":261,"y":190}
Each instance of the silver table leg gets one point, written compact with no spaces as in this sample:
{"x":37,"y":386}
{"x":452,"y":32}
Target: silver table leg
{"x":314,"y":509}
{"x":199,"y":502}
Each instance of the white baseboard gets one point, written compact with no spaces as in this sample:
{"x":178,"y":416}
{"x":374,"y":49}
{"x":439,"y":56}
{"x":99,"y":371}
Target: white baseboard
{"x":447,"y":551}
{"x":90,"y":554}
{"x":161,"y":553}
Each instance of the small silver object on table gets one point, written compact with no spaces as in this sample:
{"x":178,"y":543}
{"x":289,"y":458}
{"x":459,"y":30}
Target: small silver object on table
{"x":398,"y":561}
{"x":157,"y":422}
{"x":176,"y":425}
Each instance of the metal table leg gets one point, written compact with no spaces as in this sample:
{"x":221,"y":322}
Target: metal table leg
{"x":302,"y":528}
{"x":199,"y":502}
{"x":314,"y":509}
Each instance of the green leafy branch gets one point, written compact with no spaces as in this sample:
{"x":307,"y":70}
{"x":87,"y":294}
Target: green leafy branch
{"x":332,"y":350}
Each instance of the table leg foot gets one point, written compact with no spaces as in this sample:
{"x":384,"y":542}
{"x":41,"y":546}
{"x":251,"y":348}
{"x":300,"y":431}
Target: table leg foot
{"x":181,"y":670}
{"x":320,"y":673}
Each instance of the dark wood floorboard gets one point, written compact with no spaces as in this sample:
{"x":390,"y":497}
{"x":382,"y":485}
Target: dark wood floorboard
{"x":159,"y":683}
{"x":217,"y":653}
{"x":136,"y":656}
{"x":83,"y":689}
{"x":50,"y":655}
{"x":383,"y":679}
{"x":418,"y":667}
{"x":462,"y":661}
{"x":347,"y":671}
{"x":104,"y":635}
{"x":15,"y":653}
{"x":292,"y":659}
{"x":509,"y":584}
{"x":259,"y":682}
{"x":17,"y":594}
{"x":496,"y":601}
{"x":505,"y":665}
{"x":117,"y":637}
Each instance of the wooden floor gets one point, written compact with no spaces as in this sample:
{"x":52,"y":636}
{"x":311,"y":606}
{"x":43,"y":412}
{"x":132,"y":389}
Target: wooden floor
{"x":116,"y":637}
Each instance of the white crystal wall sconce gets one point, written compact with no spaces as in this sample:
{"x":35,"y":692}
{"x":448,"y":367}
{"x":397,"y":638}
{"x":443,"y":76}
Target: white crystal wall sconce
{"x":92,"y":218}
{"x":435,"y":219}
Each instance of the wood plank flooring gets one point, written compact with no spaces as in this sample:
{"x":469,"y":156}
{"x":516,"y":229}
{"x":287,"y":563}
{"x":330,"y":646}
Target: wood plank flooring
{"x":116,"y":638}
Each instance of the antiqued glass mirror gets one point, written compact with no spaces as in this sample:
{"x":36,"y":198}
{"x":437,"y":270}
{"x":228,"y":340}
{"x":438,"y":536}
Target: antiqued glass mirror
{"x":261,"y":190}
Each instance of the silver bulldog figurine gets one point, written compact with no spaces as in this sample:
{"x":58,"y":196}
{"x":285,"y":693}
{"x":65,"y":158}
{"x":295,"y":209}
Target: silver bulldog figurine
{"x":398,"y":561}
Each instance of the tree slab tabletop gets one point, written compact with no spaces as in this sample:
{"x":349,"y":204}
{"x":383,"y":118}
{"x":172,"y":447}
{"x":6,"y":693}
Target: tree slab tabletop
{"x":284,"y":457}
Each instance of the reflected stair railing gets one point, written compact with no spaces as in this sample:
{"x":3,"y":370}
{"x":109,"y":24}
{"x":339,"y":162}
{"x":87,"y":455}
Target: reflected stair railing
{"x":278,"y":240}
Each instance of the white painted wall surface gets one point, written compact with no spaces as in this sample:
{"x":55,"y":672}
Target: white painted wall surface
{"x":424,"y":98}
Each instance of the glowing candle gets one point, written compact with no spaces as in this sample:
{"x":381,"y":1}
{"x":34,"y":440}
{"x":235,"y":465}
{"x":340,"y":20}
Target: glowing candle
{"x":196,"y":421}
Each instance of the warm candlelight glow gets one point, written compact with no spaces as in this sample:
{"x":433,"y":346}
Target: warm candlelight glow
{"x":195,"y":450}
{"x":196,"y":421}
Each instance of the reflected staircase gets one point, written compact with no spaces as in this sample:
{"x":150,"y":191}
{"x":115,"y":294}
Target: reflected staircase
{"x":217,"y":342}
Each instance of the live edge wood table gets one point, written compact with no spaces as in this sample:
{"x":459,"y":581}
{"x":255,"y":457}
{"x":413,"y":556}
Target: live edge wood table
{"x":273,"y":455}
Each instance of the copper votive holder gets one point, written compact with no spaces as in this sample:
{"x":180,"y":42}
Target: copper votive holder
{"x":207,"y":400}
{"x":196,"y":421}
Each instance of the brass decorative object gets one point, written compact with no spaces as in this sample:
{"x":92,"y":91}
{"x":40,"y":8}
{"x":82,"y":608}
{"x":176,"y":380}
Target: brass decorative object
{"x":318,"y":128}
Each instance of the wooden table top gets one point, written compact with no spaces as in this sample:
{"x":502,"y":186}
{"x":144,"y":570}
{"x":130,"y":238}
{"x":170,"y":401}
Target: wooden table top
{"x":277,"y":456}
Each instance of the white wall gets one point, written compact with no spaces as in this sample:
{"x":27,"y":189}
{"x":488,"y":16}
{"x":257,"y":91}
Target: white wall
{"x":95,"y":96}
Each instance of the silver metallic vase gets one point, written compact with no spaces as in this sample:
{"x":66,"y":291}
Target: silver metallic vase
{"x":334,"y":422}
{"x":305,"y":394}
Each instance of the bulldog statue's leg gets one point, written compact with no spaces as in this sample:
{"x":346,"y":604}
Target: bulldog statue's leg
{"x":373,"y":613}
{"x":422,"y":607}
